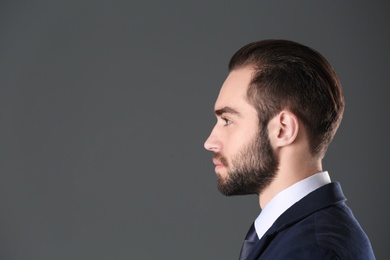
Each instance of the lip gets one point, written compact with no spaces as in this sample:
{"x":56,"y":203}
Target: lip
{"x":218,"y":167}
{"x":217,"y":163}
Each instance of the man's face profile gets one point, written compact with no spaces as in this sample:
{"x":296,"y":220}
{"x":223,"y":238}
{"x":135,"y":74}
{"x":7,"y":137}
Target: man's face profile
{"x":245,"y":161}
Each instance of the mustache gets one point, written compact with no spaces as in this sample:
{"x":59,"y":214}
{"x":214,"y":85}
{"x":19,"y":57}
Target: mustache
{"x":219,"y":157}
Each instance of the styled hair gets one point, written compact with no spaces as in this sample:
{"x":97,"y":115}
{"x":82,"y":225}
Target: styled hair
{"x":289,"y":75}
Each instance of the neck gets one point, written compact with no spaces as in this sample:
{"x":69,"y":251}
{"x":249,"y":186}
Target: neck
{"x":287,"y":175}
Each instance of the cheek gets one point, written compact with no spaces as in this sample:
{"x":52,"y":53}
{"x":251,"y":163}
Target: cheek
{"x":238,"y":138}
{"x":232,"y":143}
{"x":247,"y":137}
{"x":232,"y":149}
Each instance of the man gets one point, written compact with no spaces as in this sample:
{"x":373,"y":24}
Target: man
{"x":277,"y":112}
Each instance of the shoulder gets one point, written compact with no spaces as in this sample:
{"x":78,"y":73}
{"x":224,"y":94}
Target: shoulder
{"x":337,"y":230}
{"x":330,"y":233}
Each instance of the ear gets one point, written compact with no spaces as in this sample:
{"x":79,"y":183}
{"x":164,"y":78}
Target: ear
{"x":283,"y":129}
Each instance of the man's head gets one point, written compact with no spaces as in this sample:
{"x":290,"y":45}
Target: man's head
{"x":244,"y":159}
{"x":265,"y":78}
{"x":291,"y":76}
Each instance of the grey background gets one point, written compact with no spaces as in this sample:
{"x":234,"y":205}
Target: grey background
{"x":105,"y":105}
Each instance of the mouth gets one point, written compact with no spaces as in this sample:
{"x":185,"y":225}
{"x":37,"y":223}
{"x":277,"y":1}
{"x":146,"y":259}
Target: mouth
{"x":218,"y":164}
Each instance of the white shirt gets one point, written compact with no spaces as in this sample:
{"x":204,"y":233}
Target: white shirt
{"x":286,"y":198}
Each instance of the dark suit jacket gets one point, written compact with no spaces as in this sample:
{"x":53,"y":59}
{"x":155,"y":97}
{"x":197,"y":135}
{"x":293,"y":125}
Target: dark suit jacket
{"x":319,"y":226}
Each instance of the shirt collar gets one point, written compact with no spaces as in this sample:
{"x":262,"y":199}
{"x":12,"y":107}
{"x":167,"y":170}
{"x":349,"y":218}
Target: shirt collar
{"x":286,"y":198}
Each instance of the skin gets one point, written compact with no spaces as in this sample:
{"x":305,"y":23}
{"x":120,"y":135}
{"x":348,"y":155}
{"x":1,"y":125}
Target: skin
{"x":237,"y":122}
{"x":237,"y":126}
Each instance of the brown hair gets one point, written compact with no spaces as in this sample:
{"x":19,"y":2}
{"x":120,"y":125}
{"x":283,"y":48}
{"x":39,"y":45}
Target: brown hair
{"x":292,"y":76}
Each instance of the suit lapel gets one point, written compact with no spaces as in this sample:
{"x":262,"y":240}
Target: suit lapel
{"x":323,"y":197}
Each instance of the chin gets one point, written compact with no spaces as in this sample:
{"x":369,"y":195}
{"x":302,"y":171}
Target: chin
{"x":222,"y":174}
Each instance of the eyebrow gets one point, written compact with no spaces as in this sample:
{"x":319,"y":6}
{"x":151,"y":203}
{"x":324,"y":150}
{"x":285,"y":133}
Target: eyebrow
{"x":228,"y":110}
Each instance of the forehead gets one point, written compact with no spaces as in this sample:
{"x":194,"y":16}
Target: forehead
{"x":234,"y":89}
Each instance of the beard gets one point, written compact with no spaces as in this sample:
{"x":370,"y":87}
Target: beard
{"x":252,"y":169}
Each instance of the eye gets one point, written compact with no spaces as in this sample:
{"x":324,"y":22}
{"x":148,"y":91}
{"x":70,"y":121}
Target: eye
{"x":227,"y":121}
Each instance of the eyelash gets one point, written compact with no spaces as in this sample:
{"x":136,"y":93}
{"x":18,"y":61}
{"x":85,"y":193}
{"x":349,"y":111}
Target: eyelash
{"x":227,"y":121}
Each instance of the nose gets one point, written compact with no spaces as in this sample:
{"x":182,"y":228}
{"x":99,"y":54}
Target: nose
{"x":213,"y":143}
